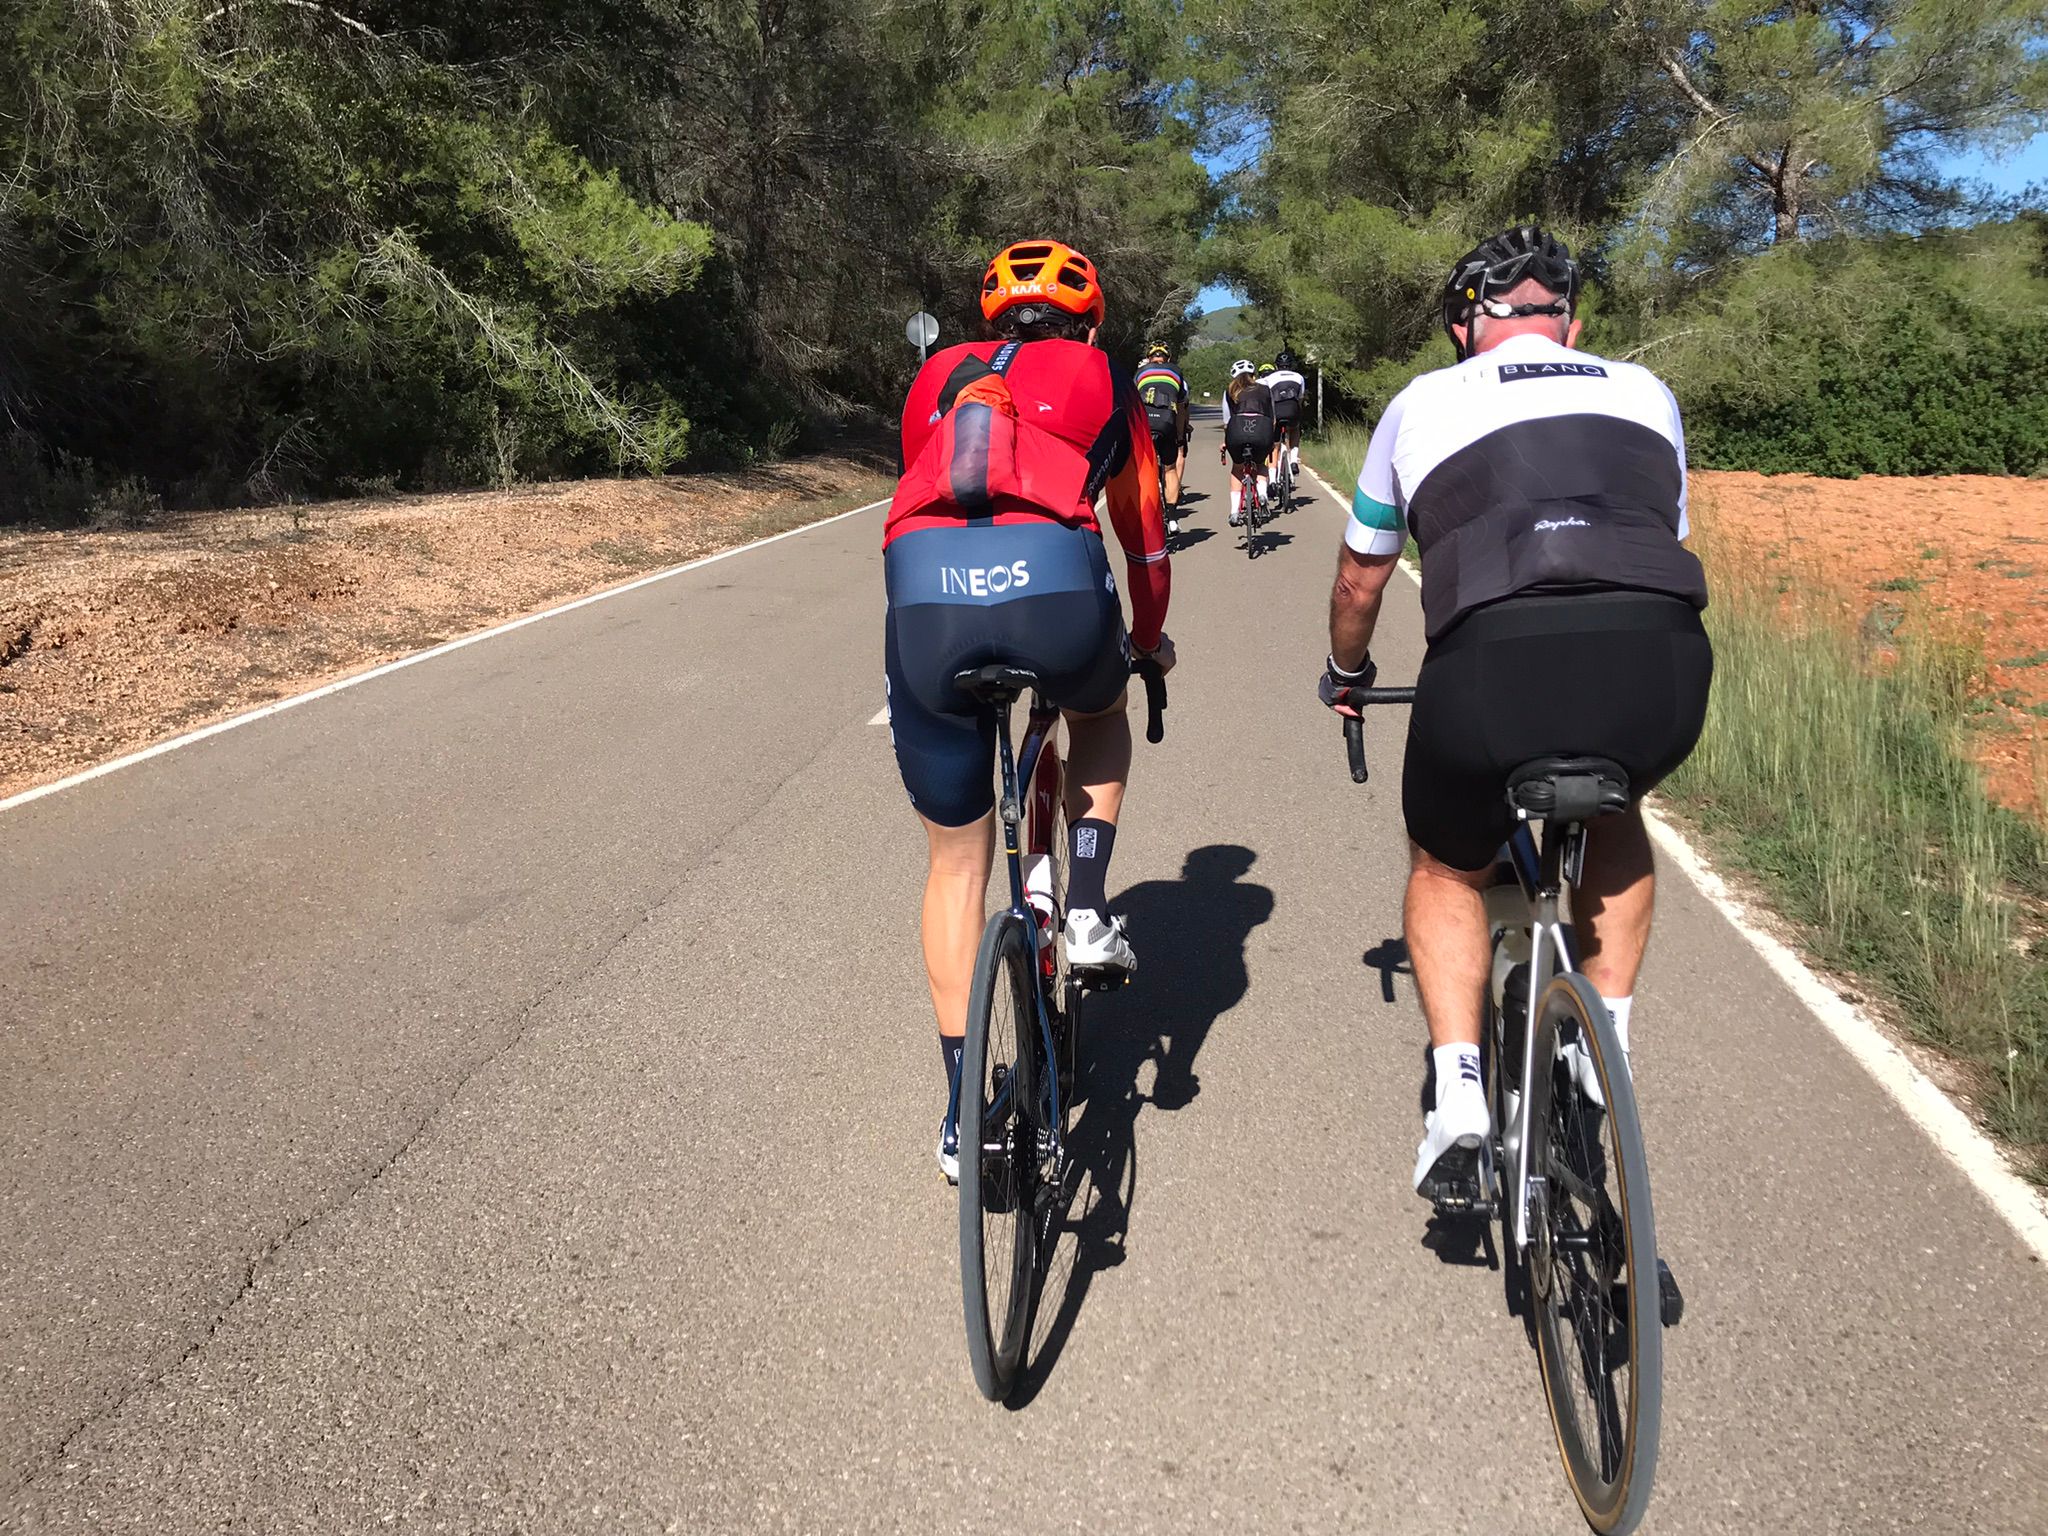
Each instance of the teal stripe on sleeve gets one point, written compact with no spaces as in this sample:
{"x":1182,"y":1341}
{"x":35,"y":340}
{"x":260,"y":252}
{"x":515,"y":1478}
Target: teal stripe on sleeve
{"x":1376,"y":515}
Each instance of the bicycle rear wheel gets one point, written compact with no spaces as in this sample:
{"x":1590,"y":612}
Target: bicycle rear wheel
{"x":1251,"y":516}
{"x":1593,"y":1266}
{"x":999,"y":1158}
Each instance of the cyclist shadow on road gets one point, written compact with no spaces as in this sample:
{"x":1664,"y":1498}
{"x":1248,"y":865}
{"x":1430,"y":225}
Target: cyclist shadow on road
{"x":1270,"y":540}
{"x":1191,"y":936}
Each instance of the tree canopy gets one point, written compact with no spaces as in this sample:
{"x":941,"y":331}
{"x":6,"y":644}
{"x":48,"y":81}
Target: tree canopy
{"x":264,"y":247}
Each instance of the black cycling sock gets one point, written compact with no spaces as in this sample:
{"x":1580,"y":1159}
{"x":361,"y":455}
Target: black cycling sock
{"x":1091,"y":842}
{"x":950,"y":1047}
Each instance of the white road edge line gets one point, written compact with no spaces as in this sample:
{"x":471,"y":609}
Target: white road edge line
{"x":234,"y":722}
{"x":1952,"y":1131}
{"x":881,"y":716}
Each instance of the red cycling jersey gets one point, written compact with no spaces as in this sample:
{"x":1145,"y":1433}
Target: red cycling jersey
{"x":1057,"y":427}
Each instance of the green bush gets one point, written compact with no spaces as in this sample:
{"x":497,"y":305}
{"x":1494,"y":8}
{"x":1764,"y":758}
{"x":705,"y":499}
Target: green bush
{"x":1893,"y":357}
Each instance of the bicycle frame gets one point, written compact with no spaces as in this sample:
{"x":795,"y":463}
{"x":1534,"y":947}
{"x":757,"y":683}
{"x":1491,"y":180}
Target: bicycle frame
{"x":1543,"y":872}
{"x":1020,"y":767}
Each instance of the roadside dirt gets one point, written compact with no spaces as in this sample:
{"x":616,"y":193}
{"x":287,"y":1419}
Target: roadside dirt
{"x":1967,"y":553}
{"x":112,"y":640}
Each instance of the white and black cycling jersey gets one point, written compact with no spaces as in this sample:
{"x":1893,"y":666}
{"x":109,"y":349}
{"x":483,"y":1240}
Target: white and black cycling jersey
{"x":1287,"y":388}
{"x":1529,"y":467}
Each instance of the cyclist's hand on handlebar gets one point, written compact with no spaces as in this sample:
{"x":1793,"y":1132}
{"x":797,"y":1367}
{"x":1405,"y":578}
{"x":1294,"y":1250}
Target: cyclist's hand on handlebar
{"x":1162,"y":653}
{"x":1335,"y":683}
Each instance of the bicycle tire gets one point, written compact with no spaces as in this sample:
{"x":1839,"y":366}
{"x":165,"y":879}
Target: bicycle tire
{"x":999,"y":1166}
{"x":1251,"y":517}
{"x":1593,"y":1290}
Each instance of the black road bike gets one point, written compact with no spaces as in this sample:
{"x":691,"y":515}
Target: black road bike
{"x":1256,"y":507}
{"x":1564,"y":1172}
{"x":1018,"y":1060}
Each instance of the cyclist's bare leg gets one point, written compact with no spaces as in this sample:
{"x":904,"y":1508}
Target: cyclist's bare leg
{"x":1098,"y":763}
{"x":1173,"y":473}
{"x":1444,"y":917}
{"x":955,"y":908}
{"x":1613,"y":902}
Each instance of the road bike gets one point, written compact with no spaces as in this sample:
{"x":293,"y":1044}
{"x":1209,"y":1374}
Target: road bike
{"x":1018,"y":1060}
{"x":1564,"y":1171}
{"x":1283,"y":478}
{"x":1255,"y":506}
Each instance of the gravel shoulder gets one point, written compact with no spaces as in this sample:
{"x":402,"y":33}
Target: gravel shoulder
{"x":113,"y":639}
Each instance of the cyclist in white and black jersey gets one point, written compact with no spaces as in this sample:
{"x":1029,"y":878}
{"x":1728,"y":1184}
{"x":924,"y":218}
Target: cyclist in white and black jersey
{"x":1545,"y":489}
{"x":1289,"y":391}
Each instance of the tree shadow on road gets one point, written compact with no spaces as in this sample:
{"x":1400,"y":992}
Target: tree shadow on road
{"x":1191,"y":935}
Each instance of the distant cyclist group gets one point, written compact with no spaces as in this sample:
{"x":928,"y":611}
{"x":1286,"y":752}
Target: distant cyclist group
{"x":1544,"y":487}
{"x":1261,"y":429}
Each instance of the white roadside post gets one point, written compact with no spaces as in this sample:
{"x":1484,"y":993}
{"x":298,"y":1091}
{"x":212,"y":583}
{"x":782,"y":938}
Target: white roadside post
{"x":921,"y":330}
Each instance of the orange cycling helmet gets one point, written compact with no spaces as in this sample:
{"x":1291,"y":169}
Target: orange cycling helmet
{"x":1041,"y":273}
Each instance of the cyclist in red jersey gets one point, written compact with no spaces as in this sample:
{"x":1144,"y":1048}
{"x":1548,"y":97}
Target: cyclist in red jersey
{"x":992,"y":553}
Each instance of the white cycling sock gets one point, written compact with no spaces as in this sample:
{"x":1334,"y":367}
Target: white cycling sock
{"x":1454,"y":1063}
{"x":1618,"y":1010}
{"x":1262,"y":485}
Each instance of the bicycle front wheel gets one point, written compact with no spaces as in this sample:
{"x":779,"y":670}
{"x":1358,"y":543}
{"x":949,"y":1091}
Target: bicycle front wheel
{"x":1593,"y":1265}
{"x":999,"y":1160}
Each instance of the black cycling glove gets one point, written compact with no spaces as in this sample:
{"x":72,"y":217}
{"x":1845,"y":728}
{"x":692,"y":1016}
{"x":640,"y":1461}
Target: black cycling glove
{"x":1336,"y":682}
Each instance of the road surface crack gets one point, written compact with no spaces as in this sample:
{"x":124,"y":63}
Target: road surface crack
{"x":517,"y":1030}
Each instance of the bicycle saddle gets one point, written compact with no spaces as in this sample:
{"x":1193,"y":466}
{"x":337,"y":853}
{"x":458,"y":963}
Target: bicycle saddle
{"x":1568,"y":788}
{"x":999,"y":683}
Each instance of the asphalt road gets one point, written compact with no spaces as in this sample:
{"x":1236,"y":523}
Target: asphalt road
{"x":500,"y":1098}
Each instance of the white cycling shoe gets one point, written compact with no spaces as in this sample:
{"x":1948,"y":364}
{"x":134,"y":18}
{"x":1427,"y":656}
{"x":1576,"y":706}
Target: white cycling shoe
{"x":949,"y":1149}
{"x":1447,"y":1161}
{"x":1098,"y":945}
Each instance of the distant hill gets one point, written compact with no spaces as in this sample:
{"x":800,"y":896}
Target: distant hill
{"x":1234,"y":323}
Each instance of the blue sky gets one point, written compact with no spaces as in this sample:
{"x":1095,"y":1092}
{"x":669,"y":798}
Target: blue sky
{"x":2024,"y":166}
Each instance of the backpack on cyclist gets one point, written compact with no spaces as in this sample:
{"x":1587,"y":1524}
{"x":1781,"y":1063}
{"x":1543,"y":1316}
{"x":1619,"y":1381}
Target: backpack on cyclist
{"x":985,"y":459}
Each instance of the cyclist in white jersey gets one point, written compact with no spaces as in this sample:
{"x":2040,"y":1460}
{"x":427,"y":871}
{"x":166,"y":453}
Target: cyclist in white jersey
{"x":1545,"y":489}
{"x":1290,"y":397}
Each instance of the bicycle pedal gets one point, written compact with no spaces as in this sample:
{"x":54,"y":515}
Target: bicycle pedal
{"x":1102,"y":981}
{"x":1670,"y":1300}
{"x":1452,"y":1186}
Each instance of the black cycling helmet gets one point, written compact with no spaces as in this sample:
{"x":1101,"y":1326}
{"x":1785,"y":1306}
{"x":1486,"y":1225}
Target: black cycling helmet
{"x":1494,"y":266}
{"x":1287,"y":360}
